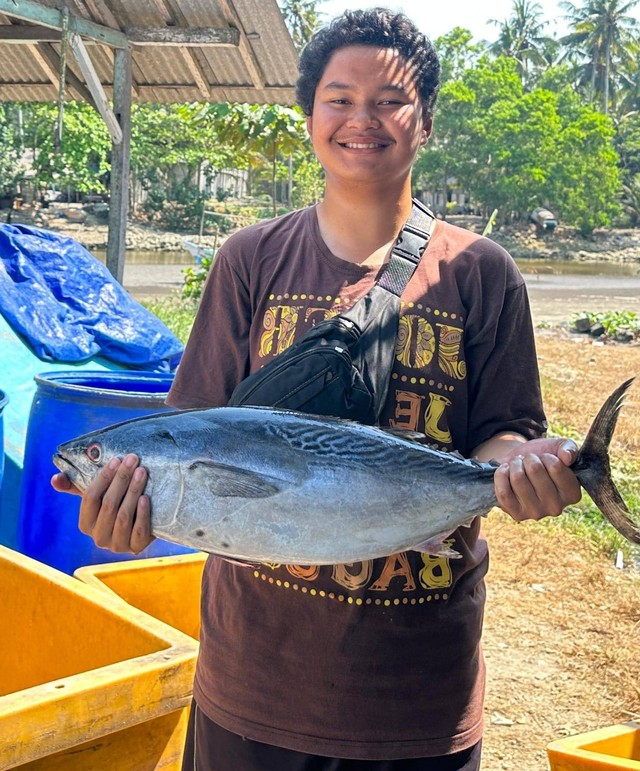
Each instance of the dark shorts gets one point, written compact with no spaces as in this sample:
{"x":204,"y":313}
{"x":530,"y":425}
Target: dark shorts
{"x":221,"y":750}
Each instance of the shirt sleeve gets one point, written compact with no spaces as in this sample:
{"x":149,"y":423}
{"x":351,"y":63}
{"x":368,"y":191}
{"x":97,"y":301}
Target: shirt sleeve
{"x":216,"y":357}
{"x":504,"y":387}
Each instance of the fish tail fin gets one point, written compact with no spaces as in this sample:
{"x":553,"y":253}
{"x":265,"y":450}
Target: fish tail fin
{"x":593,"y":469}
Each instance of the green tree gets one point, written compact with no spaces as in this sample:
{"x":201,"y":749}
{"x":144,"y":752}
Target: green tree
{"x":457,"y":53}
{"x":260,"y":134}
{"x":172,"y":146}
{"x":629,"y":82}
{"x":515,"y":150}
{"x":164,"y":136}
{"x":449,"y":149}
{"x":627,"y":144}
{"x":452,"y":156}
{"x":585,"y":178}
{"x":82,"y":164}
{"x":9,"y":149}
{"x":514,"y":158}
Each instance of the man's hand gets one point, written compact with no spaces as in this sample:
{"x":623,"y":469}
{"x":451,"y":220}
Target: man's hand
{"x":534,"y":479}
{"x":114,"y":511}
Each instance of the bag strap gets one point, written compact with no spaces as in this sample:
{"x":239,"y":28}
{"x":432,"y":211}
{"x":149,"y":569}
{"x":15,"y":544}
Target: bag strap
{"x":408,"y":250}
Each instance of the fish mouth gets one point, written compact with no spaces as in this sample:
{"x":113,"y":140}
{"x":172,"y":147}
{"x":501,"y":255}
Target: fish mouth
{"x":73,"y":472}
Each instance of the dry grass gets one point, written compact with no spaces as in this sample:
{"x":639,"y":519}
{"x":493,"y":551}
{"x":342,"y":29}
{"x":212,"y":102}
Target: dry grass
{"x":562,"y":623}
{"x":578,"y":374}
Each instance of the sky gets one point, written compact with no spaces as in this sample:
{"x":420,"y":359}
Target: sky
{"x":435,"y":19}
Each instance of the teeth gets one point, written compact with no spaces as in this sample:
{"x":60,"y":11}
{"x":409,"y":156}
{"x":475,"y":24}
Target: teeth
{"x":358,"y":146}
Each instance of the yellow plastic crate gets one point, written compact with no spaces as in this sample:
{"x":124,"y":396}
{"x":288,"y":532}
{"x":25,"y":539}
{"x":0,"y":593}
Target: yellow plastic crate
{"x":167,"y":588}
{"x":608,"y":749}
{"x":86,"y":680}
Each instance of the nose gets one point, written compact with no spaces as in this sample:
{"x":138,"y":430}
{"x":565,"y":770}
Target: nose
{"x":363,"y":116}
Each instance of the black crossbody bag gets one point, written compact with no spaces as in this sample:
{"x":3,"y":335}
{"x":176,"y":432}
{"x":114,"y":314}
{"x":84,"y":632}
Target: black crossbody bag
{"x":342,"y":366}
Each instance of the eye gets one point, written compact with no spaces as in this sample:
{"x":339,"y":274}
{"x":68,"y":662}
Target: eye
{"x":94,"y":453}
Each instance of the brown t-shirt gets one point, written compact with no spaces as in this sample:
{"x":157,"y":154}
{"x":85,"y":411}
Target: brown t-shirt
{"x":380,"y":659}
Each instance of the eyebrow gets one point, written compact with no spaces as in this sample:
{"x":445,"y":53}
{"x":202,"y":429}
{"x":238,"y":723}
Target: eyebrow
{"x":335,"y":85}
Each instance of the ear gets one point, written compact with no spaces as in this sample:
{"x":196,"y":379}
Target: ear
{"x":309,"y":122}
{"x":426,"y":131}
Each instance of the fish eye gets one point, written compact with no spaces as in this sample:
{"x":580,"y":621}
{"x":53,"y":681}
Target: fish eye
{"x":94,"y":453}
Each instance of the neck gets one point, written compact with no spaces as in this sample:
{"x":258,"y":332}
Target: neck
{"x":363,"y":229}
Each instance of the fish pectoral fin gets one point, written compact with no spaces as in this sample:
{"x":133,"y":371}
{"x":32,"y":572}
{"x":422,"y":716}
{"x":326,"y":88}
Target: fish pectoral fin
{"x":436,"y":547}
{"x":228,"y":481}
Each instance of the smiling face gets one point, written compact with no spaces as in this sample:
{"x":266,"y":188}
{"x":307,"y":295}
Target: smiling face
{"x":367,"y":124}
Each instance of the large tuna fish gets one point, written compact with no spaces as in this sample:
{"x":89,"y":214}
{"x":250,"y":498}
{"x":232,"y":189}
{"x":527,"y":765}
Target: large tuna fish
{"x":264,"y":485}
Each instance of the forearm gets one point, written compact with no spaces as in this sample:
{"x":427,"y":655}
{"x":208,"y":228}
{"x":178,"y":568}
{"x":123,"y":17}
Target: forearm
{"x":498,"y":447}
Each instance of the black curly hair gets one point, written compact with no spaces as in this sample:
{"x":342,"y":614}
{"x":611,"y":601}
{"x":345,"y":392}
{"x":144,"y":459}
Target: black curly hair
{"x":373,"y":27}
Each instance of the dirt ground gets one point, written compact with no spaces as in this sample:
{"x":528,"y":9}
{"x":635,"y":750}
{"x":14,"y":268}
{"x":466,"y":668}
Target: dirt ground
{"x":562,"y":622}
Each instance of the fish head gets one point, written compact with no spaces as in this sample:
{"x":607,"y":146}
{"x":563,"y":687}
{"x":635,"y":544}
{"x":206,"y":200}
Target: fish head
{"x":81,"y":461}
{"x":83,"y":457}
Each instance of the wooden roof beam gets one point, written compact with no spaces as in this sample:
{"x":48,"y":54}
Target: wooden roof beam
{"x":95,"y":87}
{"x":183,"y":36}
{"x":248,"y":57}
{"x":194,"y":69}
{"x":49,"y":60}
{"x":29,"y":10}
{"x":28,"y":33}
{"x":101,"y":11}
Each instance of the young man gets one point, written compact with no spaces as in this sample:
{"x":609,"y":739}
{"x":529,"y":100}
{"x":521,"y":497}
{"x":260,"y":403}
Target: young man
{"x":378,"y":663}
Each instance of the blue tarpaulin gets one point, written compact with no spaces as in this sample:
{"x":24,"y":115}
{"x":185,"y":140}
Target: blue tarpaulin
{"x":69,"y":307}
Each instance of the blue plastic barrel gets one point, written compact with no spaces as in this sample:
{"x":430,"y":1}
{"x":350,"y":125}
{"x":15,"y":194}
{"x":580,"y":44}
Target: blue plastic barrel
{"x":67,"y":404}
{"x":4,"y":400}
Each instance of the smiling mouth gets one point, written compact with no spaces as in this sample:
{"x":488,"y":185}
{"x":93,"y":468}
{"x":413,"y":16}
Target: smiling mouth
{"x":364,"y":145}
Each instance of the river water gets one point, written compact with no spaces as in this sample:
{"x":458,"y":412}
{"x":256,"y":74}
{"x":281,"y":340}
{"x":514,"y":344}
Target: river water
{"x":557,"y":289}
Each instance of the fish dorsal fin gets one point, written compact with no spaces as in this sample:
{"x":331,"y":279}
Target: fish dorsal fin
{"x":229,"y":481}
{"x":408,"y":434}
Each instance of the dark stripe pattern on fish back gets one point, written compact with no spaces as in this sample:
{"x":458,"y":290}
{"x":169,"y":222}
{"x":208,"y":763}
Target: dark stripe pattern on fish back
{"x":360,"y":447}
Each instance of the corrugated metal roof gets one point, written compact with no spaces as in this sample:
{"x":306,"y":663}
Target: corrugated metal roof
{"x":260,"y":68}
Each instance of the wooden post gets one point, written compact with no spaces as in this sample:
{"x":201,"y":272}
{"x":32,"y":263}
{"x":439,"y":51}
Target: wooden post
{"x":119,"y":197}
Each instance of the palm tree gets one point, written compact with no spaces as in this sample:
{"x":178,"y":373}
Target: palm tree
{"x":522,"y":37}
{"x":301,"y":18}
{"x":628,"y":91}
{"x":606,"y":31}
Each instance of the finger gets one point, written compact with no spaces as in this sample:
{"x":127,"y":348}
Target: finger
{"x":111,"y":501}
{"x":543,"y":497}
{"x":141,"y":535}
{"x":507,"y":499}
{"x":92,"y":498}
{"x":121,"y":537}
{"x":521,"y":488}
{"x":567,"y":452}
{"x":63,"y":484}
{"x":566,"y":483}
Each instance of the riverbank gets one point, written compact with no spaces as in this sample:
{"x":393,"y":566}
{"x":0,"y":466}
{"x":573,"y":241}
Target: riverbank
{"x":156,"y":260}
{"x":620,"y":245}
{"x":521,"y":241}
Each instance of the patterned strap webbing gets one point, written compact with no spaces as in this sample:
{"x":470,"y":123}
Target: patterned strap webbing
{"x":409,"y":248}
